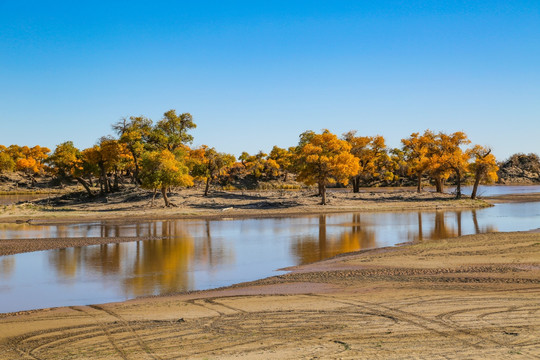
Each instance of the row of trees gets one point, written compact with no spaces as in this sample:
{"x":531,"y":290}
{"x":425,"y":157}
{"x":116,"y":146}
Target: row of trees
{"x":24,"y":159}
{"x":158,"y":157}
{"x":325,"y":159}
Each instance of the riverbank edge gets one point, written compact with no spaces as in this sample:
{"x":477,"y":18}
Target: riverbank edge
{"x":60,"y":216}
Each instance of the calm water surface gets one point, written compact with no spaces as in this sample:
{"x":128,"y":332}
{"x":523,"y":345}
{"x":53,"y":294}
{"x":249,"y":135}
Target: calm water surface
{"x":495,"y":190}
{"x":198,"y":254}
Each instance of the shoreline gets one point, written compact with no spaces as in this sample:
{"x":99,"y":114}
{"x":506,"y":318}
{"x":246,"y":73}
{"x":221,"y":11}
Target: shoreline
{"x":190,"y":204}
{"x":37,"y":218}
{"x":62,"y":217}
{"x":367,"y":204}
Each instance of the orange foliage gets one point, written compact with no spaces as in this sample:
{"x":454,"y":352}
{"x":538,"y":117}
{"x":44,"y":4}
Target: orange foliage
{"x":324,"y":159}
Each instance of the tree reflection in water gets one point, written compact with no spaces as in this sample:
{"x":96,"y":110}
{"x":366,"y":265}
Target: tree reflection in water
{"x":146,"y":267}
{"x":161,"y":266}
{"x":7,"y":266}
{"x":167,"y":264}
{"x":350,"y":237}
{"x":442,"y":229}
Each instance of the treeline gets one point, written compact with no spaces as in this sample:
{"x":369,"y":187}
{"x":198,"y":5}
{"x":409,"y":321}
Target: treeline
{"x":158,"y":156}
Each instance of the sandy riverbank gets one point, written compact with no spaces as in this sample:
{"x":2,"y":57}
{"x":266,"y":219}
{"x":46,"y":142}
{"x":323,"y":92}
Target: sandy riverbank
{"x":472,"y":297}
{"x":191,"y":204}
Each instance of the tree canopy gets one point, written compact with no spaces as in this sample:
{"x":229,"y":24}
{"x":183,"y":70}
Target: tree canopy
{"x":324,"y":159}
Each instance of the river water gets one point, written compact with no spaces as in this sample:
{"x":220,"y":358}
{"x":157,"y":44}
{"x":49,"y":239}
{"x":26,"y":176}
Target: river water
{"x":204,"y":254}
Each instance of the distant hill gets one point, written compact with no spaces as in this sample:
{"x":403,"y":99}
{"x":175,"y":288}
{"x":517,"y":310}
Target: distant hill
{"x":520,"y":169}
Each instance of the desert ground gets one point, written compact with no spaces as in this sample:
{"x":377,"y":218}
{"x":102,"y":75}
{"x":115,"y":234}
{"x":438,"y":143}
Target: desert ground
{"x":472,"y":297}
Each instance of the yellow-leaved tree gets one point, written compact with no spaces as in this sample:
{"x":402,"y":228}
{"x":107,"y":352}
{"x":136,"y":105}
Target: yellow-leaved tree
{"x":417,"y":154}
{"x":108,"y":156}
{"x":6,"y":161}
{"x":484,"y":166}
{"x":255,"y":164}
{"x":66,"y":163}
{"x":372,"y":156}
{"x":455,"y":157}
{"x":207,"y":164}
{"x":282,"y":160}
{"x":29,"y":160}
{"x":162,"y":170}
{"x":135,"y":133}
{"x":324,"y":159}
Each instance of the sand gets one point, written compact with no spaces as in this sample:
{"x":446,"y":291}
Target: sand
{"x":474,"y":297}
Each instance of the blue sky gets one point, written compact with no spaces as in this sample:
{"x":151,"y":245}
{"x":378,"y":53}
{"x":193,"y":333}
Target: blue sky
{"x":258,"y":73}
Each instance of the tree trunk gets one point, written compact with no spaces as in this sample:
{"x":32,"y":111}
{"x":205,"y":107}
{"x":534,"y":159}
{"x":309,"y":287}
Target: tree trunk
{"x":104,"y":181}
{"x":419,"y":186}
{"x":476,"y":183}
{"x":109,"y":184}
{"x":136,"y":171}
{"x":207,"y":186}
{"x":356,"y":184}
{"x":32,"y":180}
{"x":85,"y":185}
{"x":285,"y":176}
{"x":322,"y":188}
{"x":165,"y":198}
{"x":438,"y":184}
{"x":154,"y":196}
{"x":458,"y":184}
{"x":115,"y":186}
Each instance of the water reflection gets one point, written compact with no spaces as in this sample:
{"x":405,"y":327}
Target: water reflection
{"x":7,"y":265}
{"x":190,"y":255}
{"x":161,"y":267}
{"x":349,"y":237}
{"x":146,"y":267}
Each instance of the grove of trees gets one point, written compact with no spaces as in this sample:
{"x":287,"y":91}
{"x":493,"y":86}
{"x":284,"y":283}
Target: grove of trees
{"x":158,"y":156}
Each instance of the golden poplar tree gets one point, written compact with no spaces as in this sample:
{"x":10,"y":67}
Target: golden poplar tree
{"x":484,"y":167}
{"x":66,"y":163}
{"x":417,"y":154}
{"x":6,"y":161}
{"x":324,"y":159}
{"x":207,"y":164}
{"x":162,"y":170}
{"x":454,"y":156}
{"x":372,"y":156}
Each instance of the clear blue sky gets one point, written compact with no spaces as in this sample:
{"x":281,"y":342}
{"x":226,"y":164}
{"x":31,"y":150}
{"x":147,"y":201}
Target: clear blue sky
{"x":258,"y":73}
